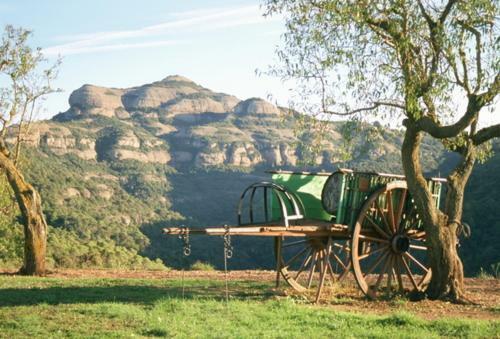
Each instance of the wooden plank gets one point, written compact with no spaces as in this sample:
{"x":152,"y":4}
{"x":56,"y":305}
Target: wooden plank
{"x":272,"y":231}
{"x":326,"y":174}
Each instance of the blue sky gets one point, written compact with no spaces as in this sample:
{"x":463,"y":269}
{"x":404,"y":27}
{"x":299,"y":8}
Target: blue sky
{"x":123,"y":43}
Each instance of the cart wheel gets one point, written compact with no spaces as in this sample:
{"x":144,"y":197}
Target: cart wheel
{"x":307,"y":262}
{"x":389,"y":251}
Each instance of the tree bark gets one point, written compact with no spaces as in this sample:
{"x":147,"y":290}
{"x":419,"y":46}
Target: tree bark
{"x":35,"y":226}
{"x":448,"y":279}
{"x":441,"y":228}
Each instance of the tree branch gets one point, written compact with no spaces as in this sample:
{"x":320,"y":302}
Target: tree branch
{"x":430,"y":126}
{"x":447,"y":10}
{"x":486,"y":134}
{"x":375,"y":105}
{"x":479,"y":70}
{"x":463,"y":59}
{"x":4,"y":149}
{"x":426,"y":15}
{"x":487,"y":97}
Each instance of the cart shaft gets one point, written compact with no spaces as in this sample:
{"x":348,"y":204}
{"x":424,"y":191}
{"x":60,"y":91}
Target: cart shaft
{"x":327,"y":229}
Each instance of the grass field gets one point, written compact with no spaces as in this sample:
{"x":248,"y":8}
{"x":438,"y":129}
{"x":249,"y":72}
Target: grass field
{"x":126,"y":307}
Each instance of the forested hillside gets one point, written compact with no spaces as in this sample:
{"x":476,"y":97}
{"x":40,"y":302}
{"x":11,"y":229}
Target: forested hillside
{"x":122,"y":163}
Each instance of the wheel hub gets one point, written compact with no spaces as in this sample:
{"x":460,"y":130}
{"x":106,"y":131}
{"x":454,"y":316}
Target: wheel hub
{"x":400,"y":243}
{"x":317,"y":243}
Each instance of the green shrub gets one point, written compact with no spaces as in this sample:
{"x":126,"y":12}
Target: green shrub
{"x":202,"y":266}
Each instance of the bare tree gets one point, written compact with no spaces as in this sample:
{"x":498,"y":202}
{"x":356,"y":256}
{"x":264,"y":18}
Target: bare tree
{"x":25,"y":85}
{"x":418,"y":60}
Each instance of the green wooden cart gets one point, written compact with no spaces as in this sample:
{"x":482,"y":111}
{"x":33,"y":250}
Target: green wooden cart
{"x":328,"y":224}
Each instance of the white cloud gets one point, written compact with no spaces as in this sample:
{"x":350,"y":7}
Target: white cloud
{"x":74,"y":49}
{"x":199,"y":20}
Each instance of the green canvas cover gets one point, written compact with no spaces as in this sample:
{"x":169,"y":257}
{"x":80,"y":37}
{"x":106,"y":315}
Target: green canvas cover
{"x":308,"y":188}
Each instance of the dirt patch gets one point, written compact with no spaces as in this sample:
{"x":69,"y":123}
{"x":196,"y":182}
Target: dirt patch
{"x":485,"y":293}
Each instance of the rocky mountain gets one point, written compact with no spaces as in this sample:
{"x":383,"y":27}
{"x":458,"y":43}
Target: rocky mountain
{"x":121,"y":163}
{"x":180,"y":123}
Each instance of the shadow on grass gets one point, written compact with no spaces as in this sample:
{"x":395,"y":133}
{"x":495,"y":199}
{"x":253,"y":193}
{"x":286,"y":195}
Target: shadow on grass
{"x":122,"y":294}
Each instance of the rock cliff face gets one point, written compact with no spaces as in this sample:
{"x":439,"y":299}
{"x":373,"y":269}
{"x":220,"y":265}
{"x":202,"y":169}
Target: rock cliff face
{"x":256,"y":106}
{"x":93,"y":100}
{"x":60,"y":140}
{"x":179,"y":123}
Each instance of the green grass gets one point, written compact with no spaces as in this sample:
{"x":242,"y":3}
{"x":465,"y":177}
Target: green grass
{"x":94,"y":308}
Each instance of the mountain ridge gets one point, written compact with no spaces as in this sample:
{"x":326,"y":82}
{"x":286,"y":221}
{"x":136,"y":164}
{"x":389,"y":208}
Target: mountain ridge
{"x":178,"y":122}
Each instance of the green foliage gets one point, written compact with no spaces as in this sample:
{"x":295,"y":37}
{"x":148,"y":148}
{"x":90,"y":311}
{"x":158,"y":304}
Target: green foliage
{"x":481,"y":213}
{"x":202,"y":266}
{"x":94,"y":218}
{"x":11,"y":242}
{"x":67,"y":250}
{"x":492,"y":273}
{"x":11,"y":232}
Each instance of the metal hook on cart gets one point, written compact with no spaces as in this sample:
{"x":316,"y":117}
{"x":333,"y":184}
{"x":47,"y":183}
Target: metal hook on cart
{"x":184,"y":236}
{"x":228,"y":248}
{"x":228,"y":254}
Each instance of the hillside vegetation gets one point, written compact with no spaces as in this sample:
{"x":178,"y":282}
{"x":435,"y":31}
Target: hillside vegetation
{"x":122,"y":163}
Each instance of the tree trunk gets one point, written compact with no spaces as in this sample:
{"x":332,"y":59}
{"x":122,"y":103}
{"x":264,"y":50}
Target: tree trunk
{"x":447,"y":280}
{"x":35,"y":226}
{"x":441,"y":228}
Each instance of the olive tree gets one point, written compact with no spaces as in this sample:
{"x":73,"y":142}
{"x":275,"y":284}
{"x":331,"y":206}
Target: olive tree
{"x":23,"y":84}
{"x":432,"y":65}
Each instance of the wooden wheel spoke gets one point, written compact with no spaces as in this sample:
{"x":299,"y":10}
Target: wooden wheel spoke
{"x":323,"y":270}
{"x":382,"y":272}
{"x":390,"y":272}
{"x":304,"y":264}
{"x":377,"y":227}
{"x":330,"y":269}
{"x":376,"y":263}
{"x":398,"y":269}
{"x":294,"y":243}
{"x":418,"y":247}
{"x":382,"y":215}
{"x":408,"y":272}
{"x":343,"y":247}
{"x":337,"y":259}
{"x":313,"y":268}
{"x":369,"y":238}
{"x":364,"y":256}
{"x":322,"y":276}
{"x":399,"y":211}
{"x":390,"y":211}
{"x":295,"y":257}
{"x":419,"y":264}
{"x":346,"y":247}
{"x":329,"y":251}
{"x":408,"y":224}
{"x":424,"y":276}
{"x":416,"y":235}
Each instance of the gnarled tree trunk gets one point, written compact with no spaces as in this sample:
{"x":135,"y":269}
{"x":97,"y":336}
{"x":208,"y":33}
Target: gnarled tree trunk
{"x":35,"y":226}
{"x":441,"y":228}
{"x":447,"y":280}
